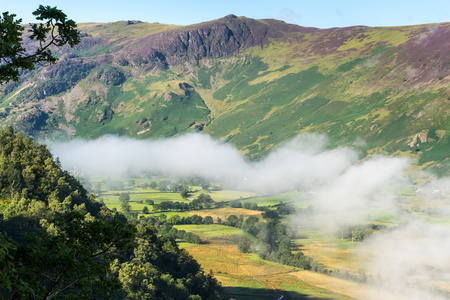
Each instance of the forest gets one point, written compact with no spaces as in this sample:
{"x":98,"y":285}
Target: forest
{"x":58,"y":242}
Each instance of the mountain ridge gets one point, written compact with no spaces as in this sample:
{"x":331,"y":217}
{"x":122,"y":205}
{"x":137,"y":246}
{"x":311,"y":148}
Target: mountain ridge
{"x":253,"y":83}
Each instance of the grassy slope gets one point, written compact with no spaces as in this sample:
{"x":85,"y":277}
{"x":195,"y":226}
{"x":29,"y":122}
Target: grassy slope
{"x":358,"y":91}
{"x":387,"y":86}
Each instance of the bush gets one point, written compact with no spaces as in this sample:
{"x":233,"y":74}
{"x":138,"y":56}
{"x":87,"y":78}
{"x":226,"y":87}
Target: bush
{"x":208,"y":220}
{"x":236,"y":204}
{"x":124,"y":197}
{"x":189,"y":237}
{"x":244,"y":245}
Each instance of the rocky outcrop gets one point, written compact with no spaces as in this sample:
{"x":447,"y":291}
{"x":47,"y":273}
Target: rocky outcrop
{"x":31,"y":121}
{"x":219,"y":38}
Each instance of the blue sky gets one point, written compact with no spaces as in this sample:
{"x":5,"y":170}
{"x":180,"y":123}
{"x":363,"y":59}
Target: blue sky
{"x":314,"y":13}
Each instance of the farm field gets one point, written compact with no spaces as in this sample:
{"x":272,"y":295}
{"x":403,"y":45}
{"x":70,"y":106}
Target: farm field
{"x":247,"y":275}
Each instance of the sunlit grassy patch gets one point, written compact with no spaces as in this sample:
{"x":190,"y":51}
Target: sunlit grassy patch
{"x":210,"y":231}
{"x":350,"y":289}
{"x":225,"y":212}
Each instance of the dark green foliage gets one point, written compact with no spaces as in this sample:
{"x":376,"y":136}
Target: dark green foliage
{"x":236,"y":204}
{"x":60,"y":243}
{"x":190,"y":237}
{"x":274,"y":242}
{"x":205,"y":198}
{"x":244,"y":245}
{"x":153,"y":185}
{"x":185,"y":192}
{"x":251,"y":205}
{"x":233,"y":221}
{"x":56,"y":30}
{"x":270,"y":214}
{"x":208,"y":220}
{"x":64,"y":237}
{"x":358,"y":233}
{"x":158,"y":269}
{"x":124,"y":197}
{"x":125,"y":207}
{"x":285,"y":209}
{"x":33,"y":184}
{"x":71,"y":263}
{"x":170,"y":205}
{"x":249,"y":225}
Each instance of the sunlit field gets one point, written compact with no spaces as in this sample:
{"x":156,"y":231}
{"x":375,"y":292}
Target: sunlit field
{"x":246,"y":275}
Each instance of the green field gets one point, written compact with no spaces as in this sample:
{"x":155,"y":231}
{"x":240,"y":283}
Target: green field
{"x":246,"y":275}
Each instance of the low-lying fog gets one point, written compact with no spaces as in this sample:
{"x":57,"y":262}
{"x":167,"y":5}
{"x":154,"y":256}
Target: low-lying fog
{"x":301,"y":163}
{"x":411,"y":256}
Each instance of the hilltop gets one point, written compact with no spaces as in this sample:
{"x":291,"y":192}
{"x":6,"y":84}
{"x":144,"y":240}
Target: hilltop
{"x":251,"y":83}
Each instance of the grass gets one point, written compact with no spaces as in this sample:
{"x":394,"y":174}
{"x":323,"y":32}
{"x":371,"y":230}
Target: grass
{"x":350,"y":83}
{"x":229,"y":195}
{"x":344,"y":288}
{"x":224,"y":213}
{"x":210,"y":231}
{"x":247,"y":276}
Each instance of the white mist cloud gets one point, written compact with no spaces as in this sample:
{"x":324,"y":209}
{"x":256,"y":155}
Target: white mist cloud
{"x":299,"y":163}
{"x":363,"y":183}
{"x":302,"y":163}
{"x":413,"y":260}
{"x":407,"y":259}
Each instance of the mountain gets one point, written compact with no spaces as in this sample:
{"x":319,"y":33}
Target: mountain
{"x":252,"y":83}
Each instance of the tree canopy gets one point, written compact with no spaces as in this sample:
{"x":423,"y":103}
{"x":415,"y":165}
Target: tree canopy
{"x":55,"y":30}
{"x":58,"y":242}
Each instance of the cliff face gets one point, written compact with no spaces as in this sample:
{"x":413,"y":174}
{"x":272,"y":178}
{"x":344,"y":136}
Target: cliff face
{"x":253,"y":83}
{"x":215,"y":39}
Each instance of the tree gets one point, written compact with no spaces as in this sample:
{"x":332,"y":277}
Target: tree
{"x":205,"y":198}
{"x":206,"y":186}
{"x":232,"y":220}
{"x":126,"y":207}
{"x":124,"y":197}
{"x":129,"y":182}
{"x":244,"y":245}
{"x":56,"y":30}
{"x":192,"y":238}
{"x":185,"y":192}
{"x":160,"y":270}
{"x":270,"y":214}
{"x":208,"y":220}
{"x":145,"y":210}
{"x":236,"y":204}
{"x":74,"y":262}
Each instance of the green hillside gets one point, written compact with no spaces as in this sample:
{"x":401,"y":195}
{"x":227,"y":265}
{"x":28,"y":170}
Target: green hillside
{"x":252,"y":83}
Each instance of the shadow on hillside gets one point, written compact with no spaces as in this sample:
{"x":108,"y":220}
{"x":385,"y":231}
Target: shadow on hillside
{"x":242,"y":293}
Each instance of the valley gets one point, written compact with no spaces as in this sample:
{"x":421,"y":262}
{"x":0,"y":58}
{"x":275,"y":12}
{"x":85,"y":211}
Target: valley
{"x":342,"y":267}
{"x":231,"y":159}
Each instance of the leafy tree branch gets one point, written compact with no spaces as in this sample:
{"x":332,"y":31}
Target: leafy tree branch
{"x":55,"y":30}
